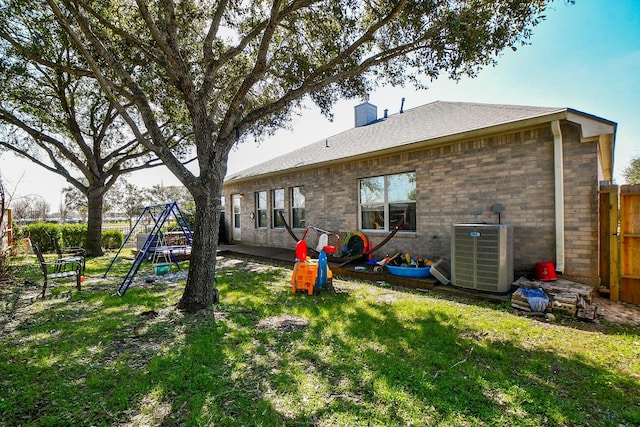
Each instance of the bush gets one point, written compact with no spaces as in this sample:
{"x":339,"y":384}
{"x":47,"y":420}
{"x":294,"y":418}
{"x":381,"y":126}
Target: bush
{"x":67,"y":235}
{"x":112,"y":239}
{"x":74,"y":234}
{"x":41,"y":234}
{"x":17,"y":230}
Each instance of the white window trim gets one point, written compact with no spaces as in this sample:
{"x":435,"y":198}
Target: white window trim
{"x":386,"y":210}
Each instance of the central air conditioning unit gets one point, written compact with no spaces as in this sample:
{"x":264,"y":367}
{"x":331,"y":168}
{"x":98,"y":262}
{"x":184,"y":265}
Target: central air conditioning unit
{"x":482,"y":257}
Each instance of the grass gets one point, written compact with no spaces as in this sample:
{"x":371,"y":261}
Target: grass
{"x":364,"y":356}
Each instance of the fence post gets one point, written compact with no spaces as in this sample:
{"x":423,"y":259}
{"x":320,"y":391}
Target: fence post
{"x":609,"y":241}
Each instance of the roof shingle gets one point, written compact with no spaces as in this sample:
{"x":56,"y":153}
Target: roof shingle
{"x":427,"y":122}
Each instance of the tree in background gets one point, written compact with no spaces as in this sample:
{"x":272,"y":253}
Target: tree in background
{"x":75,"y":201}
{"x":223,"y":72}
{"x":21,"y":209}
{"x":631,"y":173}
{"x":54,"y":113}
{"x":30,"y":208}
{"x":64,"y":212}
{"x":128,"y":199}
{"x":160,"y":194}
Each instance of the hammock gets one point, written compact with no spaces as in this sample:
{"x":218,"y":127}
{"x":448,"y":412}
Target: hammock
{"x":345,"y":260}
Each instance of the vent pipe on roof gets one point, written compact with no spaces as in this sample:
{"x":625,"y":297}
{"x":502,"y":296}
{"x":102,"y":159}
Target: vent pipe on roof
{"x":386,"y":113}
{"x":402,"y":106}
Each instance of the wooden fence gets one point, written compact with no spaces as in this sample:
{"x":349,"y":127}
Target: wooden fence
{"x":620,"y":242}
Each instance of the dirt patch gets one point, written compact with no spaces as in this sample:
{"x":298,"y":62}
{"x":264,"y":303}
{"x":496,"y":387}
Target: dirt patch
{"x":387,"y":298}
{"x":285,"y":323}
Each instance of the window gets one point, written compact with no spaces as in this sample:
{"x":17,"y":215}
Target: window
{"x":387,"y":200}
{"x":261,"y":207}
{"x":222,"y":203}
{"x":297,"y":207}
{"x":277,"y":198}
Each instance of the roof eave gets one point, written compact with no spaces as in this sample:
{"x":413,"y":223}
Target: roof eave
{"x":598,"y":130}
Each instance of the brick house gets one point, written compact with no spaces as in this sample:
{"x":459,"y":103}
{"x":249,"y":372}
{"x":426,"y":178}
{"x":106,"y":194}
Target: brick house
{"x":538,"y":169}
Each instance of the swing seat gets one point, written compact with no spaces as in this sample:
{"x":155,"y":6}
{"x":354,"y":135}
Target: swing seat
{"x":161,"y":269}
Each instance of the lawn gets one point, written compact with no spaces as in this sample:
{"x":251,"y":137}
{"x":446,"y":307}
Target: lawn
{"x":364,"y":356}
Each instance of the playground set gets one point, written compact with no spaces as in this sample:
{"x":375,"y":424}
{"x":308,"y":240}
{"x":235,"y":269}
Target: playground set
{"x":156,"y":248}
{"x":309,"y":274}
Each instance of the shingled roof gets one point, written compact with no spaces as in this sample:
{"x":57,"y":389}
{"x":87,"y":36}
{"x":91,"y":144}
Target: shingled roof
{"x":430,"y":124}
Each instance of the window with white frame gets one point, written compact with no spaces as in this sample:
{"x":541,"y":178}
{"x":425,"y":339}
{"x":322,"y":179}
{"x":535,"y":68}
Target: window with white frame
{"x":387,"y":201}
{"x":297,"y":207}
{"x":277,"y":199}
{"x":261,"y":208}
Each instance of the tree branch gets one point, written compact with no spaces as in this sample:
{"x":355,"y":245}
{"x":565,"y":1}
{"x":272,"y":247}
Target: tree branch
{"x":126,"y":36}
{"x":325,"y":74}
{"x":137,"y":95}
{"x":259,"y":69}
{"x":214,"y":65}
{"x":62,"y":171}
{"x":27,"y":53}
{"x":169,"y":46}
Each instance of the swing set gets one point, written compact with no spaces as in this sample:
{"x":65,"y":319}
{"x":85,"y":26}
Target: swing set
{"x":156,"y":246}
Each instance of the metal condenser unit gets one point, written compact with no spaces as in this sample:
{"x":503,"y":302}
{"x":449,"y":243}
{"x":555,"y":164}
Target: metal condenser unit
{"x":482,"y":257}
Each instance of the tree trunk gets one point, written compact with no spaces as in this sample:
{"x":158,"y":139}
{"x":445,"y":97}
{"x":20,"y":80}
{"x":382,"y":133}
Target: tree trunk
{"x":94,"y":223}
{"x":200,"y":291}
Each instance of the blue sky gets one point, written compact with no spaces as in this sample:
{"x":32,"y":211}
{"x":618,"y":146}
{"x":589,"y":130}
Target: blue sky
{"x":585,"y":57}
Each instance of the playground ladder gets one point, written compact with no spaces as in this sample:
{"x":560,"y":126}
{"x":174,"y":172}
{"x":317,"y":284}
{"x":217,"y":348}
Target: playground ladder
{"x":161,"y":257}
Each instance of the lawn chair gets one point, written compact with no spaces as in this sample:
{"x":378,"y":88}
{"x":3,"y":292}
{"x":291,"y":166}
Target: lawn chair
{"x":69,"y":254}
{"x":58,"y":269}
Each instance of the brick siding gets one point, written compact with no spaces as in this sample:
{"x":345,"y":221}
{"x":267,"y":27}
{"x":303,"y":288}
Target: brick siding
{"x":457,"y":183}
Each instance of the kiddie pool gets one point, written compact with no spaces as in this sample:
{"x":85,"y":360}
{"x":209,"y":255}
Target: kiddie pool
{"x":409,"y":271}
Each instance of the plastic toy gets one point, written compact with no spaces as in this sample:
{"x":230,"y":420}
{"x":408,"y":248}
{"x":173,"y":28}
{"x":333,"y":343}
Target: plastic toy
{"x":309,"y":273}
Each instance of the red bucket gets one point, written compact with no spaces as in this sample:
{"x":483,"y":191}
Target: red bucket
{"x":545,"y":271}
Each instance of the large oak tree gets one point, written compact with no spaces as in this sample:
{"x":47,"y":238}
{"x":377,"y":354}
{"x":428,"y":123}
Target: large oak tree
{"x":54,"y":113}
{"x":233,"y":69}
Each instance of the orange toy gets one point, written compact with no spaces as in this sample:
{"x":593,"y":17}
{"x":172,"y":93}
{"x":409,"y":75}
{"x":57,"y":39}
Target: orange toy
{"x":304,"y":277}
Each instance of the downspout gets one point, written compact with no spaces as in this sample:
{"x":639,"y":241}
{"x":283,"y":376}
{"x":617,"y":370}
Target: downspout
{"x":559,"y":193}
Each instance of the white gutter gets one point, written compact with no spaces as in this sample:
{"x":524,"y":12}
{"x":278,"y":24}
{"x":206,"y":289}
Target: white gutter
{"x":559,"y":193}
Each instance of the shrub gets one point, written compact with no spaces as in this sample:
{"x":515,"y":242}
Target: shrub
{"x":41,"y":234}
{"x":17,"y":230}
{"x":74,"y":234}
{"x":112,"y":239}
